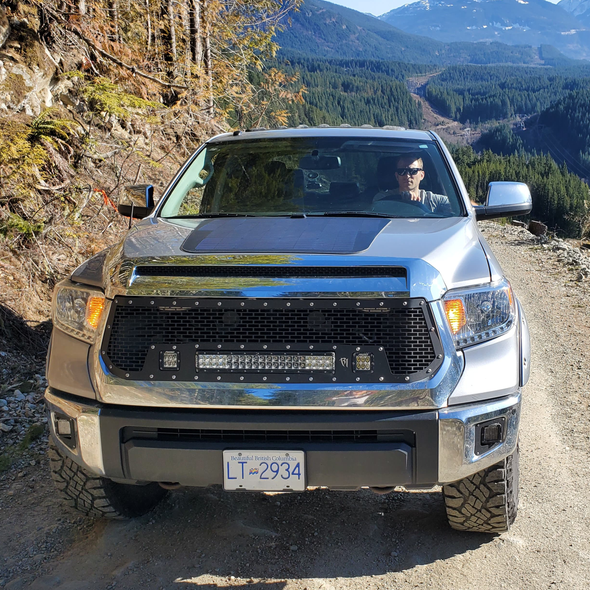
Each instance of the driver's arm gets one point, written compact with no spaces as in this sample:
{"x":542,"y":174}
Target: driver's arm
{"x":437,"y":203}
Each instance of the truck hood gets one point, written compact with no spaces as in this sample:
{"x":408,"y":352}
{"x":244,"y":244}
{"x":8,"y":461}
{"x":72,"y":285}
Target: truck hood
{"x":436,"y":255}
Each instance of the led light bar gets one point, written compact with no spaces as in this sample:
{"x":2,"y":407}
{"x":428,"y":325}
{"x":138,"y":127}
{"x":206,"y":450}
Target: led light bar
{"x":266,"y":362}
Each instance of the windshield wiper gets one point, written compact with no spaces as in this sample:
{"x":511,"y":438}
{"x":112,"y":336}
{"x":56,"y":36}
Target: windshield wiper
{"x":209,"y":215}
{"x":351,"y":214}
{"x":426,"y":215}
{"x":295,"y":215}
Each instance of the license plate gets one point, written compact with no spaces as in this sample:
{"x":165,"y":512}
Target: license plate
{"x":265,"y":471}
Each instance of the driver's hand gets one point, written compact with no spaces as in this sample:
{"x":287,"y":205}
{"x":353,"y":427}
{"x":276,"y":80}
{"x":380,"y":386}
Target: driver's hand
{"x":408,"y":196}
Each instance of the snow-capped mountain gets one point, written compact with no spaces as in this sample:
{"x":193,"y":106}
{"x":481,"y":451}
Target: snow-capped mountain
{"x":516,"y":22}
{"x":578,"y":8}
{"x":325,"y":30}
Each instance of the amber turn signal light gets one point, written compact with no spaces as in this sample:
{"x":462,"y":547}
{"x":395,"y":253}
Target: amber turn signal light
{"x":94,"y":310}
{"x":455,"y":311}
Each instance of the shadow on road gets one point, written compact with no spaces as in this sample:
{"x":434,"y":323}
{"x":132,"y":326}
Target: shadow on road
{"x":211,"y":539}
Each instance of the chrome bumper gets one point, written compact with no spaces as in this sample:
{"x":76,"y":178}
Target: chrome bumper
{"x":86,"y":417}
{"x":457,"y":436}
{"x":458,"y":456}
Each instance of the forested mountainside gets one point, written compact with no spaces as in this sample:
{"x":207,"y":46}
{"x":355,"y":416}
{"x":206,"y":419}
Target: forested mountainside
{"x":551,"y":106}
{"x":568,"y":121}
{"x":560,"y":198}
{"x":485,"y":93}
{"x":561,"y":131}
{"x":356,"y":92}
{"x":325,"y":30}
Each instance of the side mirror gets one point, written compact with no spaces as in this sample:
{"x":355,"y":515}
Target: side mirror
{"x":505,"y":199}
{"x":136,"y":201}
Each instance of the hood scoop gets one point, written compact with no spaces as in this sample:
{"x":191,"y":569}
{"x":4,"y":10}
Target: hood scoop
{"x":272,"y":271}
{"x":331,"y":235}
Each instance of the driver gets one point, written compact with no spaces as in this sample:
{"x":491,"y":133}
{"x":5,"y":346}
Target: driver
{"x":409,"y":172}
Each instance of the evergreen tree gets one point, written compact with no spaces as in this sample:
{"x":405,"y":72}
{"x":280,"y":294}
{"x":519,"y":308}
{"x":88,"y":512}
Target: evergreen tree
{"x":560,"y":198}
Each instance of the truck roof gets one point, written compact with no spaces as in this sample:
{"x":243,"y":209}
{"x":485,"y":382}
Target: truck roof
{"x":326,"y":131}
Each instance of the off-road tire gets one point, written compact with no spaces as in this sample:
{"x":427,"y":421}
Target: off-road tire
{"x":487,"y":501}
{"x":97,"y":496}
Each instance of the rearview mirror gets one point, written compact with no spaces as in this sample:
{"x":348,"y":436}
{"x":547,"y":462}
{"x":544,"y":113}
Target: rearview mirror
{"x":505,"y":199}
{"x":136,"y":201}
{"x":319,"y":162}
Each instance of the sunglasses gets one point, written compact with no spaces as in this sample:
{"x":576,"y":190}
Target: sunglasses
{"x":406,"y":171}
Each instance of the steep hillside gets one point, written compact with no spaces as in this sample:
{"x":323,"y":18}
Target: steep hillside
{"x":485,"y":93}
{"x":70,"y":139}
{"x":565,"y":127}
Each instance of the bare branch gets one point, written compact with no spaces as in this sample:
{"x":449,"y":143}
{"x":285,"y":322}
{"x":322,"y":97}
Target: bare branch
{"x":114,"y":59}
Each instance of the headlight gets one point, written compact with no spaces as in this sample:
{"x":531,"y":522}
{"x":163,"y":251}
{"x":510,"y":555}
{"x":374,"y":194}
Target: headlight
{"x":479,"y":314}
{"x":77,"y":311}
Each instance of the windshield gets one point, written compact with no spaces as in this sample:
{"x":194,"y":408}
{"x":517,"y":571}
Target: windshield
{"x":315,"y":176}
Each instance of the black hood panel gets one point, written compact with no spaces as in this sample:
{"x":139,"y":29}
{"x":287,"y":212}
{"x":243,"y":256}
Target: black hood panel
{"x":286,"y":235}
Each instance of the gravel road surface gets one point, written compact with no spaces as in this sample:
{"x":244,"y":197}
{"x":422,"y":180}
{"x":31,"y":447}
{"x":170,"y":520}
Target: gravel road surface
{"x":327,"y":540}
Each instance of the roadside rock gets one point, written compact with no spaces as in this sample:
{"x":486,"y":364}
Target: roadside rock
{"x":26,"y":69}
{"x":4,"y":26}
{"x":572,"y":257}
{"x":537,"y":228}
{"x":576,"y":260}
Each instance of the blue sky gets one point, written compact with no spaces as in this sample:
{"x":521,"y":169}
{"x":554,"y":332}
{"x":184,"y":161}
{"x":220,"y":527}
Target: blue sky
{"x":376,"y":7}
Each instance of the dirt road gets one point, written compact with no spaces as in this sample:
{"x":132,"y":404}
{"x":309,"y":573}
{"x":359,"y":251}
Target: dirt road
{"x":323,"y":540}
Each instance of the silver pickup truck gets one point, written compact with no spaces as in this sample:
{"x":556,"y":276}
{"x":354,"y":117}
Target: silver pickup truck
{"x":310,"y":307}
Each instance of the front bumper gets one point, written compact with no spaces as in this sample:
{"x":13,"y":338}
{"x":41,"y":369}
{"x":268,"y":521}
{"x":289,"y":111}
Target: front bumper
{"x":343,"y":449}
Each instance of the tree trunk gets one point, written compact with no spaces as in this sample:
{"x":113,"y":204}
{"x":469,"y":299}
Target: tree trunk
{"x":114,"y":18}
{"x":186,"y":36}
{"x":207,"y":60}
{"x":149,"y":27}
{"x":172,"y":36}
{"x":196,"y":37}
{"x":166,"y":37}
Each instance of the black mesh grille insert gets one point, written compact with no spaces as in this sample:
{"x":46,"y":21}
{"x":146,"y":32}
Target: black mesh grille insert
{"x":403,"y":332}
{"x":272,"y":271}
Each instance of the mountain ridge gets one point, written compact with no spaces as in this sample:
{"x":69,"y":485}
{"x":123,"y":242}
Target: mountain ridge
{"x":579,"y":8}
{"x":515,"y":22}
{"x":325,"y":30}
